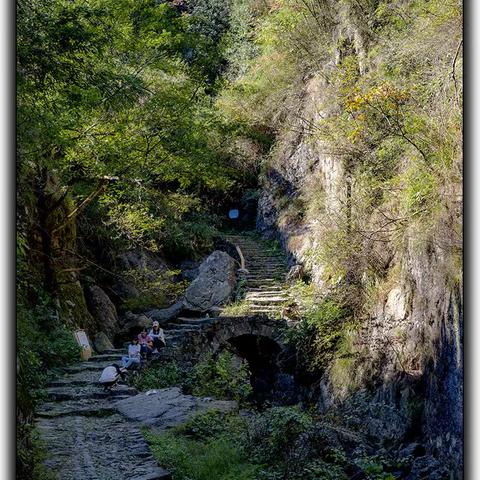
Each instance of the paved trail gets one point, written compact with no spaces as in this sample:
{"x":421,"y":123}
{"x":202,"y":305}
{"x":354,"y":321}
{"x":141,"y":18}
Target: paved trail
{"x":266,"y":290}
{"x":91,"y":434}
{"x":86,"y":437}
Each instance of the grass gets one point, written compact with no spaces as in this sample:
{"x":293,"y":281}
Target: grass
{"x":190,"y":459}
{"x":236,"y":309}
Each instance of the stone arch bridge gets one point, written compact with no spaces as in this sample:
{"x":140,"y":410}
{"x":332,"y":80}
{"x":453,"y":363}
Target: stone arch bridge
{"x":219,"y":333}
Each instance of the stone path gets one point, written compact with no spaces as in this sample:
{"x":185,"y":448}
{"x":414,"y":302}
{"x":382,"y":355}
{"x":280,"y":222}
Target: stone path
{"x":266,"y":291}
{"x":91,"y":434}
{"x":85,"y":435}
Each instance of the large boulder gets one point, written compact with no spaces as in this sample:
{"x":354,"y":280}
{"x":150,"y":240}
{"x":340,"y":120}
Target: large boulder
{"x":102,"y":343}
{"x":103,"y":311}
{"x":164,"y":315}
{"x":189,"y":269}
{"x":168,"y":407}
{"x":135,"y":322}
{"x":214,"y":285}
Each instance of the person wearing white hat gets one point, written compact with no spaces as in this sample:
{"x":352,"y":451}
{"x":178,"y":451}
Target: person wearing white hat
{"x":158,"y":337}
{"x":111,"y":375}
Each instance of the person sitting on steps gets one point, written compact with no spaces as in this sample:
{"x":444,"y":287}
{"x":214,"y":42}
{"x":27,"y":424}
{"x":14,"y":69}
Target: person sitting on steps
{"x":146,"y":343}
{"x":158,"y":337}
{"x":111,"y":375}
{"x":134,"y":355}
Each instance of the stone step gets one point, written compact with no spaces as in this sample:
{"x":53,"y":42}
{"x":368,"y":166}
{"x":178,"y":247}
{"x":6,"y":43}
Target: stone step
{"x":80,"y":367}
{"x":264,"y":308}
{"x":254,"y":307}
{"x":115,"y":351}
{"x":263,"y":256}
{"x":268,"y":293}
{"x":265,"y":260}
{"x":182,"y":326}
{"x":195,"y":321}
{"x":66,"y":382}
{"x":252,"y":262}
{"x":267,"y":313}
{"x":266,"y":301}
{"x":266,"y":272}
{"x":271,"y":288}
{"x":97,"y":448}
{"x":96,"y":391}
{"x":106,"y":357}
{"x":276,"y":296}
{"x":260,"y":285}
{"x":263,"y":300}
{"x":264,"y":278}
{"x":88,"y":408}
{"x":181,"y":331}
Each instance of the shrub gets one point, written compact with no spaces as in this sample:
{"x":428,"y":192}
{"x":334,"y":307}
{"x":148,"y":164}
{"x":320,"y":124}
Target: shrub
{"x":206,"y":456}
{"x":213,"y":424}
{"x":163,"y":375}
{"x":222,"y":377}
{"x":272,"y":435}
{"x":323,"y":324}
{"x":42,"y":343}
{"x":30,"y":455}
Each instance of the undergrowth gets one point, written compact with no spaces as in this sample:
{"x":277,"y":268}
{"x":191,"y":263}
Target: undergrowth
{"x":221,"y":377}
{"x":279,"y":443}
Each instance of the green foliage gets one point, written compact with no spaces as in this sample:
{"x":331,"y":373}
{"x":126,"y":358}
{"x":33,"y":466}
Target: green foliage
{"x":31,"y":454}
{"x":157,"y":288}
{"x":325,"y":323}
{"x":122,"y":115}
{"x":222,"y":377}
{"x":163,"y":375}
{"x":219,"y":458}
{"x":389,"y":110}
{"x":236,"y":309}
{"x":278,"y":443}
{"x":377,"y":467}
{"x":42,"y":343}
{"x":272,"y":435}
{"x":213,"y":424}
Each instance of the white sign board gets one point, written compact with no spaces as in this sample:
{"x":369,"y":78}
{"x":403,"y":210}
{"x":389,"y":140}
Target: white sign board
{"x":82,"y":340}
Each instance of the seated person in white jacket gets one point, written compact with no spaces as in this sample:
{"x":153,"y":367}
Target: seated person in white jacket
{"x":111,"y":375}
{"x":134,"y":358}
{"x":156,"y":334}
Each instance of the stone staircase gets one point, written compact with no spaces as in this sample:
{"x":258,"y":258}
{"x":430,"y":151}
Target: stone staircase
{"x":266,"y":269}
{"x":80,"y":423}
{"x":85,"y":435}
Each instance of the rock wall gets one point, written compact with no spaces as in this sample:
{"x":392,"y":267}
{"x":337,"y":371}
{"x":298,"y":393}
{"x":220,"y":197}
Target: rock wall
{"x":409,"y":350}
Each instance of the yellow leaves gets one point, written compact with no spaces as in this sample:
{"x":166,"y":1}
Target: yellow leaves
{"x":385,"y":95}
{"x":355,"y":134}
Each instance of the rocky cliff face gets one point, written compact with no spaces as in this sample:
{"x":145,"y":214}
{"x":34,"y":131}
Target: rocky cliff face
{"x":407,"y":354}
